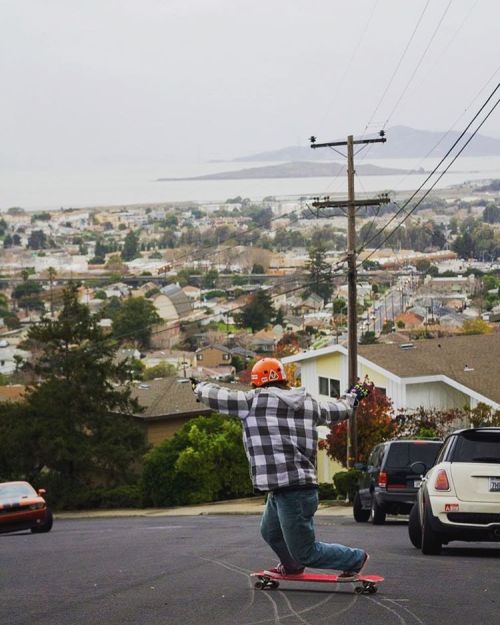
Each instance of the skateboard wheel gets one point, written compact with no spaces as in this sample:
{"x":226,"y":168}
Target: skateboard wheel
{"x":259,"y":585}
{"x":274,"y":584}
{"x":358,"y":590}
{"x":372,"y":590}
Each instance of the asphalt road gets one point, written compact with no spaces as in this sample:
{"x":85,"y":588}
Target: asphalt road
{"x":195,"y":570}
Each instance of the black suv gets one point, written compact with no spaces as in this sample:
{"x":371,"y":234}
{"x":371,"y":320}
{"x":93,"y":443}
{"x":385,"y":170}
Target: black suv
{"x":388,"y":485}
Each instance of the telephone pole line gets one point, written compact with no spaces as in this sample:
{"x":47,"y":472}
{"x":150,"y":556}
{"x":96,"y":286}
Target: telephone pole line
{"x":352,"y":318}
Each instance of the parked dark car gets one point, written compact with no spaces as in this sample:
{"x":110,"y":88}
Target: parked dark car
{"x":388,"y":484}
{"x":23,"y":508}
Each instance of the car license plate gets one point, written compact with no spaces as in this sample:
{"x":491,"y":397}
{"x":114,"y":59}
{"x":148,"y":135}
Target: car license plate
{"x":494,"y":484}
{"x":417,"y":483}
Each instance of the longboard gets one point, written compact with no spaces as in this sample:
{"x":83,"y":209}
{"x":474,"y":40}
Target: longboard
{"x":266,"y":579}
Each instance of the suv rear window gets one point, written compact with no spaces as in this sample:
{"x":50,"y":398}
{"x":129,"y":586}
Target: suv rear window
{"x":477,"y":447}
{"x":402,"y":455}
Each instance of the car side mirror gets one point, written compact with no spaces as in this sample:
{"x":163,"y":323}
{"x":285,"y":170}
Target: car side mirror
{"x":41,"y":491}
{"x":420,"y":468}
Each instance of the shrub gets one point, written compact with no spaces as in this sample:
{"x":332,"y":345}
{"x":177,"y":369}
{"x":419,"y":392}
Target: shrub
{"x":327,"y":490}
{"x":121,"y":497}
{"x":204,"y":461}
{"x":346,"y":482}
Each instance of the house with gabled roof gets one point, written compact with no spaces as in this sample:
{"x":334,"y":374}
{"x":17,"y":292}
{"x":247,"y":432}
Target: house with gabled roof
{"x":167,"y":405}
{"x":214,"y":355}
{"x":449,"y":372}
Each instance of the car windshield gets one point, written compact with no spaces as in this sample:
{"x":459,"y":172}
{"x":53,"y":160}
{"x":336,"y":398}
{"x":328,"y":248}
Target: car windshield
{"x":477,"y":447}
{"x":402,"y":455}
{"x":16,"y":490}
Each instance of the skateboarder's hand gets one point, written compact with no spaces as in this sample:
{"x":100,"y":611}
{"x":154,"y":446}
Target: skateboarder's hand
{"x":194,"y":383}
{"x":361,"y":390}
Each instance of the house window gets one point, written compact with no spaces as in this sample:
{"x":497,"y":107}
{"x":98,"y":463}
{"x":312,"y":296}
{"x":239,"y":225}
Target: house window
{"x":334,"y":388}
{"x":323,"y":386}
{"x":199,"y":356}
{"x":381,"y":390}
{"x":226,"y":356}
{"x":329,"y":387}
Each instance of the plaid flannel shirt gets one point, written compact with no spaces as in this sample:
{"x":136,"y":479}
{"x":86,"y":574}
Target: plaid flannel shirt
{"x":279,"y":429}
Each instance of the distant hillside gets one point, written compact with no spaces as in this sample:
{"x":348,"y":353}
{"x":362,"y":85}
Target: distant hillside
{"x":298,"y":170}
{"x":402,"y":142}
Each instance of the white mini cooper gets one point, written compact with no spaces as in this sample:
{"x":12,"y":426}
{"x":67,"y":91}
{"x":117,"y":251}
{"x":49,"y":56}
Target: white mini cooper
{"x":459,"y":498}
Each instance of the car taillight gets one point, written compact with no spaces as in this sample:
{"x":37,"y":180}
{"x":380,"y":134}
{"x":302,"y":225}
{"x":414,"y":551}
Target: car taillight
{"x":442,"y":482}
{"x":382,"y":479}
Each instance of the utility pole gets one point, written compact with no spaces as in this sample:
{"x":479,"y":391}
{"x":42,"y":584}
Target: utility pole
{"x":352,"y":317}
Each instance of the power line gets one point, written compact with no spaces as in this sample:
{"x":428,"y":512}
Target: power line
{"x":434,"y":183}
{"x":401,"y":58}
{"x":483,"y":106}
{"x":419,"y":63}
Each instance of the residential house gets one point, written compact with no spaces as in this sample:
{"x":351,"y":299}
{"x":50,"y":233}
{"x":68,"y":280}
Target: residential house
{"x":312,"y":303}
{"x":444,"y":373}
{"x":264,"y":342}
{"x":409,"y":320}
{"x":168,"y":404}
{"x":193,"y":292}
{"x":215,"y":355}
{"x":172,"y":303}
{"x":293,"y":324}
{"x":450,"y":372}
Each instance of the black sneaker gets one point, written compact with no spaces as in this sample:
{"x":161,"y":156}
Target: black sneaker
{"x":354,"y":573}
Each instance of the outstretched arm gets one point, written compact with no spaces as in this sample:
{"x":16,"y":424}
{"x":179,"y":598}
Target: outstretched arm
{"x":334,"y":411}
{"x":341,"y":409}
{"x":234,"y":403}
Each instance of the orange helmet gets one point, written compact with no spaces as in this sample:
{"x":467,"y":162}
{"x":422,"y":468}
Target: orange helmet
{"x":267,"y":370}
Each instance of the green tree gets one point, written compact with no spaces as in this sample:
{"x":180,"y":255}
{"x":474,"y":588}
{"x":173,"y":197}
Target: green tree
{"x":130,"y":247}
{"x":368,"y":338}
{"x":204,"y":461}
{"x":320,"y":274}
{"x":209,"y":280}
{"x":38,"y":240}
{"x":27,"y":295}
{"x":476,"y":326}
{"x":161,"y":370}
{"x":74,"y":426}
{"x":258,"y":313}
{"x":491,"y":214}
{"x":134,"y":320}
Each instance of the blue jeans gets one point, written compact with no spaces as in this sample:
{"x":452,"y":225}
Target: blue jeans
{"x":287,"y":526}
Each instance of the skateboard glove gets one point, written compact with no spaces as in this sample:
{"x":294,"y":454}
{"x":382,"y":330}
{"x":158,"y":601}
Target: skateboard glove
{"x":361,"y":390}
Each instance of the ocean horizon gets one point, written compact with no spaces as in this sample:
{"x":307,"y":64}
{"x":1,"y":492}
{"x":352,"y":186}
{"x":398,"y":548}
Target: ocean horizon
{"x":113,"y":185}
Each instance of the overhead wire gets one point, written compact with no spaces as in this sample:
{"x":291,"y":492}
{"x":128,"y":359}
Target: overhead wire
{"x":433,"y":172}
{"x":398,"y":65}
{"x":420,"y":61}
{"x":412,"y":210}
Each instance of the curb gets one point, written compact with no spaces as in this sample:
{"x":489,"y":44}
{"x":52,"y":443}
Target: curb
{"x":254,"y":506}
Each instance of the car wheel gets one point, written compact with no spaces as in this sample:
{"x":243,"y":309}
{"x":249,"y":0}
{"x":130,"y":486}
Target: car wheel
{"x":415,"y":528}
{"x":45,"y":527}
{"x":377,"y":513}
{"x":431,"y":541}
{"x":360,"y":515}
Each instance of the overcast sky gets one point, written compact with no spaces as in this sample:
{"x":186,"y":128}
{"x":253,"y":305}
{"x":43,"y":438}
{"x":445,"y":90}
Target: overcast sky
{"x":94,"y":82}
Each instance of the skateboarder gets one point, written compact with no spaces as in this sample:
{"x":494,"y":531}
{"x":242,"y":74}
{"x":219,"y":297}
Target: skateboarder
{"x":280,"y":439}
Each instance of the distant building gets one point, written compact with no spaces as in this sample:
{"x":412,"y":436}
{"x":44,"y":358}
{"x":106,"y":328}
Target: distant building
{"x":172,"y":303}
{"x":213,"y":356}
